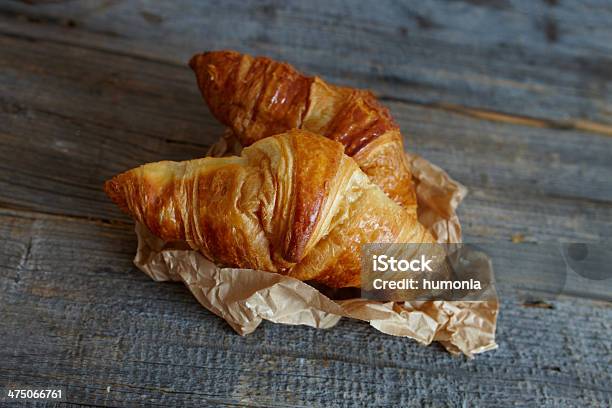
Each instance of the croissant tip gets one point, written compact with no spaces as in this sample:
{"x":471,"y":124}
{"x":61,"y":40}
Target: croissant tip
{"x":113,"y":190}
{"x":193,"y":61}
{"x":200,"y":58}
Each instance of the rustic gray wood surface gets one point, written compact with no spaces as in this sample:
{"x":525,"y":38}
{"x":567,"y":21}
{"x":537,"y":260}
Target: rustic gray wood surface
{"x":512,"y":98}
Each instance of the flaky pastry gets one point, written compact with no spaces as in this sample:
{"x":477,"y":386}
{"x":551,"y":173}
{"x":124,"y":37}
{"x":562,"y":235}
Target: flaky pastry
{"x":293,"y":203}
{"x":260,"y":97}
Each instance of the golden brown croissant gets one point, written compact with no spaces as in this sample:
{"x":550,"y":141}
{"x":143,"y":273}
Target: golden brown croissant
{"x":259,"y":97}
{"x":292,"y":203}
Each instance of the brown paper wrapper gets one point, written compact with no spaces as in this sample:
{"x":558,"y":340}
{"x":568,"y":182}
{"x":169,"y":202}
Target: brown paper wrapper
{"x":245,"y":297}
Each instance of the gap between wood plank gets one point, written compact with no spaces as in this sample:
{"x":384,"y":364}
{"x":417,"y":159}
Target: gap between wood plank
{"x":478,"y":113}
{"x":514,"y":119}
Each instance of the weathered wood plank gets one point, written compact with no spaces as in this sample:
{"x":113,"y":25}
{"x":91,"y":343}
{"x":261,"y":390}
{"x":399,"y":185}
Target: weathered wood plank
{"x":543,"y":59}
{"x":98,"y":324}
{"x":82,"y":115}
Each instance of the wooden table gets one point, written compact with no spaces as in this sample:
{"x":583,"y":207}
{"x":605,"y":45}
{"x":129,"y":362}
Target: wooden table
{"x":512,"y":98}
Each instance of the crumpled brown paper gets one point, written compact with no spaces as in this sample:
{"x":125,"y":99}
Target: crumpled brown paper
{"x":244,"y":297}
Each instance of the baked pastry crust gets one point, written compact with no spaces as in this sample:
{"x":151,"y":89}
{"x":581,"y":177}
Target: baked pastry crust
{"x":292,"y":203}
{"x":258,"y":97}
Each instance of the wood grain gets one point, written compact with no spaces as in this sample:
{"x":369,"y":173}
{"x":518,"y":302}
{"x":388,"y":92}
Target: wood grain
{"x":97,"y":324}
{"x":542,"y":59}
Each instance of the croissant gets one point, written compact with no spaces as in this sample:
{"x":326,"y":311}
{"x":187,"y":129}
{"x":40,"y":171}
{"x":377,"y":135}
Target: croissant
{"x":294,"y":204}
{"x":259,"y":97}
